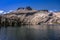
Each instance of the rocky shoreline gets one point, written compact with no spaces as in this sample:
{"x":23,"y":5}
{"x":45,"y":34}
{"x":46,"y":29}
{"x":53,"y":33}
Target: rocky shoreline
{"x":28,"y":16}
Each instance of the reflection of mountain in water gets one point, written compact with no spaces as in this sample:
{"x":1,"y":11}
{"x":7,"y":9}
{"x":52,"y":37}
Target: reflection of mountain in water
{"x":31,"y":32}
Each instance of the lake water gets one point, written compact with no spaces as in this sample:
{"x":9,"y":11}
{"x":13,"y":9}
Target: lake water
{"x":30,"y":32}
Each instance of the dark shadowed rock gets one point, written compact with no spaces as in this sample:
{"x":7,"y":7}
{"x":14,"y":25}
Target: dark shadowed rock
{"x":20,"y":8}
{"x":28,"y":8}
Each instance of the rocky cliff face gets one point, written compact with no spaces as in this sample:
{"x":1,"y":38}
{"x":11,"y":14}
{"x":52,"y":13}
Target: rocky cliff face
{"x":29,"y":17}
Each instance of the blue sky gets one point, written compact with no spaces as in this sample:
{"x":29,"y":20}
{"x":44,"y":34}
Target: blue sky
{"x":35,"y":4}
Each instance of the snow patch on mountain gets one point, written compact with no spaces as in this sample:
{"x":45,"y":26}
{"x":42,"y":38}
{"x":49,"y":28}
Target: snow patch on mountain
{"x":4,"y":12}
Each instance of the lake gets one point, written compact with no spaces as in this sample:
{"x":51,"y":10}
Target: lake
{"x":30,"y":32}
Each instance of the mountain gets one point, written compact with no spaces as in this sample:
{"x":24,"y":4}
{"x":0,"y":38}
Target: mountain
{"x":29,"y":16}
{"x":2,"y":12}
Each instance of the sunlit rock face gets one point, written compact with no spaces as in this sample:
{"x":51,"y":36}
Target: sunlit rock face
{"x":57,"y":14}
{"x":55,"y":18}
{"x":30,"y":17}
{"x":38,"y":18}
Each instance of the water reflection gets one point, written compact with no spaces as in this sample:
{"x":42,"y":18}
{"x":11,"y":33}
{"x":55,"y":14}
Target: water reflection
{"x":31,"y":32}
